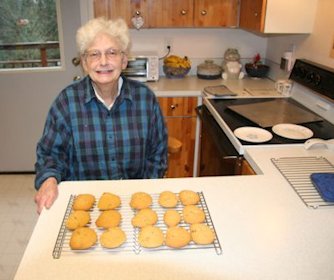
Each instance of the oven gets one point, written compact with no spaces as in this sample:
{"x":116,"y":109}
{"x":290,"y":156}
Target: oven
{"x":218,"y":156}
{"x":221,"y":117}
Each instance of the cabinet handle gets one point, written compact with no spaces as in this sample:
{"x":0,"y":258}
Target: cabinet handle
{"x":173,"y":107}
{"x":203,"y":12}
{"x":183,"y":12}
{"x":256,"y":14}
{"x":137,"y":13}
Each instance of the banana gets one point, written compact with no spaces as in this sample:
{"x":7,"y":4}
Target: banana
{"x":177,"y":61}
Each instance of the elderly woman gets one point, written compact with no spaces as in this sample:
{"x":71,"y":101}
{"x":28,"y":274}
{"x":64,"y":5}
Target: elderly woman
{"x":104,"y":126}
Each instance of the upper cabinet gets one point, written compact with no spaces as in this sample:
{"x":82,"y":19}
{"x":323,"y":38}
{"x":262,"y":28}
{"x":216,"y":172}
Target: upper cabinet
{"x":215,"y":13}
{"x":170,"y":13}
{"x":278,"y":16}
{"x":130,"y":10}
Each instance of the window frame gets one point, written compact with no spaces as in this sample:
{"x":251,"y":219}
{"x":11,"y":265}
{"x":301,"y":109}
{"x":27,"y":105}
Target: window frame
{"x":62,"y":65}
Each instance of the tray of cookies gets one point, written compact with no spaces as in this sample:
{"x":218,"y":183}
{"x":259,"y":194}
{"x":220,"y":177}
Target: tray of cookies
{"x":136,"y":223}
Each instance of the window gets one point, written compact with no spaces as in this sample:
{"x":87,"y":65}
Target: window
{"x":29,"y":35}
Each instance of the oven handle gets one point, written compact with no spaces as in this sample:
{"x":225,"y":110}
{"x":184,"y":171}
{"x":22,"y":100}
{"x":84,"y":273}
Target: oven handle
{"x":198,"y":111}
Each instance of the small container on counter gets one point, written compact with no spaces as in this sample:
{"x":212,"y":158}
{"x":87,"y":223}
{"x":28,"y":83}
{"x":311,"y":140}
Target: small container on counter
{"x":209,"y":70}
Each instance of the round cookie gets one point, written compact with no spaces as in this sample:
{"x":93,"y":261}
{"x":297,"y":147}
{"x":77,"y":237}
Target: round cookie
{"x":108,"y":219}
{"x":112,"y":238}
{"x":151,"y":237}
{"x":83,"y":202}
{"x":193,"y":214}
{"x":177,"y":237}
{"x":202,"y":234}
{"x":83,"y":238}
{"x":188,"y":197}
{"x":109,"y":201}
{"x":140,"y":200}
{"x":144,"y":217}
{"x":78,"y":218}
{"x":172,"y":217}
{"x":168,"y":199}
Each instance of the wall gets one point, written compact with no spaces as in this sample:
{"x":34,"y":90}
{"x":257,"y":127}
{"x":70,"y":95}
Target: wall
{"x":198,"y":44}
{"x":316,"y":46}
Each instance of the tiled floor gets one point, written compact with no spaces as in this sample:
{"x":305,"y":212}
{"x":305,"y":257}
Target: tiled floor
{"x":17,"y":219}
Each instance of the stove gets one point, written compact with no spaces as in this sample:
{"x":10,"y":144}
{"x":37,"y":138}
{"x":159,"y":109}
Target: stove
{"x":312,"y":78}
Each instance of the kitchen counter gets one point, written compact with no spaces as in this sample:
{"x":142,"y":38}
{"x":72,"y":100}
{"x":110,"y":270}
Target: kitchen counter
{"x":193,"y":86}
{"x":265,"y":231}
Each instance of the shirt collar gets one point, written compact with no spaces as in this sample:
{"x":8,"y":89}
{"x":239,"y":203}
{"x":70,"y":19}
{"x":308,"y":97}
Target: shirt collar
{"x":123,"y":90}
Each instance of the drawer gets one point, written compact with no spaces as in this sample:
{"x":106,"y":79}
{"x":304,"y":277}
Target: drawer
{"x":178,"y":106}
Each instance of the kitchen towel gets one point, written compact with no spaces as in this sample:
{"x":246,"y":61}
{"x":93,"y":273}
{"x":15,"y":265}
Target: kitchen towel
{"x":324,"y":183}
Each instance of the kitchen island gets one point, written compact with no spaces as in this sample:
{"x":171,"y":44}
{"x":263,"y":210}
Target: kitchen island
{"x":265,"y":230}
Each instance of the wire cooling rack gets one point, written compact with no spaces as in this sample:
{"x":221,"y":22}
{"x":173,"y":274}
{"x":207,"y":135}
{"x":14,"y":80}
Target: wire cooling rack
{"x":132,"y":245}
{"x":297,"y":171}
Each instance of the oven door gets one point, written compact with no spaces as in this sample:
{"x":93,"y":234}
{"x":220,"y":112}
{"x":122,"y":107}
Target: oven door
{"x":217,"y":157}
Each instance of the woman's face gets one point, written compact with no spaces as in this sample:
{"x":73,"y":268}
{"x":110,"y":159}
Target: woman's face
{"x":103,"y":60}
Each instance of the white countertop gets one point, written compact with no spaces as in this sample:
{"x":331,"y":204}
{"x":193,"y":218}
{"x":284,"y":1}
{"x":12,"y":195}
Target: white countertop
{"x":193,"y":86}
{"x":265,"y":230}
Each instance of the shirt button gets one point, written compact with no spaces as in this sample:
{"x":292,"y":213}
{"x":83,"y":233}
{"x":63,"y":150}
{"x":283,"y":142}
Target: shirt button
{"x":113,"y":159}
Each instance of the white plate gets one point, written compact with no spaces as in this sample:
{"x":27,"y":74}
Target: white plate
{"x":292,"y":131}
{"x":253,"y":134}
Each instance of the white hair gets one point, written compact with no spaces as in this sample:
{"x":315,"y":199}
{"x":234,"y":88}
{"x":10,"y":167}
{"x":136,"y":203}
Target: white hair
{"x":116,"y":29}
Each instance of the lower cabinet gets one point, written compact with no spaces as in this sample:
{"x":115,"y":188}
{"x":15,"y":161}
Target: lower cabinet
{"x":246,"y":169}
{"x":181,"y":119}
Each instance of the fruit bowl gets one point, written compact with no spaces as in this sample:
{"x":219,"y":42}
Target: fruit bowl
{"x":175,"y":72}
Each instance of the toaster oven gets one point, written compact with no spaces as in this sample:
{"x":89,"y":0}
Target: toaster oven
{"x":143,"y":67}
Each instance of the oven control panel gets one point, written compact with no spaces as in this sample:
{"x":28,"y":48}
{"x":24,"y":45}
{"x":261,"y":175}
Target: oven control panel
{"x":314,"y":76}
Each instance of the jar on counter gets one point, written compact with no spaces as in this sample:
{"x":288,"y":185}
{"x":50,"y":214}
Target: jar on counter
{"x":209,"y":70}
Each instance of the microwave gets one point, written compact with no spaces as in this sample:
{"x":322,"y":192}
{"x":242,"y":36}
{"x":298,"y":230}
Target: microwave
{"x":143,"y":67}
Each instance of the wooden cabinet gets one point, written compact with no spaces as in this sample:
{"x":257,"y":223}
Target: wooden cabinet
{"x":246,"y":169}
{"x":277,"y":16}
{"x":180,"y":116}
{"x":171,"y":13}
{"x":215,"y":13}
{"x":126,"y":9}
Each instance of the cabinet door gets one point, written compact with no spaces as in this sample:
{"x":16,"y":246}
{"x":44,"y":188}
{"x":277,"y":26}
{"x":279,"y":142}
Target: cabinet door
{"x":171,"y":13}
{"x":178,"y":106}
{"x":246,"y":169}
{"x":215,"y":13}
{"x":180,"y":117}
{"x":182,"y":164}
{"x":252,"y":14}
{"x":278,"y":16}
{"x":126,"y":9}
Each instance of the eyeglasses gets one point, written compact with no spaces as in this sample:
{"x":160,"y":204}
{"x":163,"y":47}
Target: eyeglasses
{"x":95,"y":55}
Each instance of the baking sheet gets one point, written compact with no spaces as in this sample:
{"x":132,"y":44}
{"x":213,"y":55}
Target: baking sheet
{"x":272,"y":112}
{"x":219,"y":90}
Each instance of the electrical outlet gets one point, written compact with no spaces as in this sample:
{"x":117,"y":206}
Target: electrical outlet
{"x":168,"y":43}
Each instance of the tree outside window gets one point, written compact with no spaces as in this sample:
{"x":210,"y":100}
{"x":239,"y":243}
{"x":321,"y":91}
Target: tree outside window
{"x":28,"y":34}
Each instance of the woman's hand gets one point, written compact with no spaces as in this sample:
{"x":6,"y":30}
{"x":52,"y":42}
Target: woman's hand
{"x":47,"y":194}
